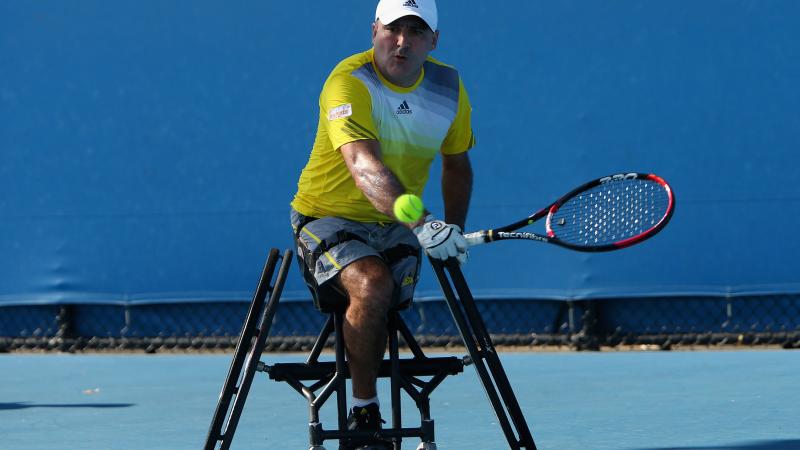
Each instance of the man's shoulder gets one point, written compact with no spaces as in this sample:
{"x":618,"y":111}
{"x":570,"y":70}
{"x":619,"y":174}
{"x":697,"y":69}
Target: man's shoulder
{"x":349,"y":79}
{"x":352,"y":63}
{"x":444,"y":66}
{"x":441,"y":74}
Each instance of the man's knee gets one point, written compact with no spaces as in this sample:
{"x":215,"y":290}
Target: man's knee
{"x":368,"y":279}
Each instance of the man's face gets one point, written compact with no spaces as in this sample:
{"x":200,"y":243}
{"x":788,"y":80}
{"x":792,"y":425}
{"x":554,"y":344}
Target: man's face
{"x":401,"y":48}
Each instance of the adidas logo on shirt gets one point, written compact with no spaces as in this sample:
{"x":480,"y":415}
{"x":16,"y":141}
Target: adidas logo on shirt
{"x":404,"y":108}
{"x":411,"y":3}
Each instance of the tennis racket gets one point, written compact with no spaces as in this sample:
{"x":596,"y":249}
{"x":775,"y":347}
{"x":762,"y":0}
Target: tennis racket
{"x":605,"y":214}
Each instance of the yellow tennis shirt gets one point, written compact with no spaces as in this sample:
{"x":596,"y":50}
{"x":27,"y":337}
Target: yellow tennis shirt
{"x":412,"y":125}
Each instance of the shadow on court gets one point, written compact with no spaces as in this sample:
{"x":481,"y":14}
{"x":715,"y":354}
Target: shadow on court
{"x":790,"y":444}
{"x":26,"y":405}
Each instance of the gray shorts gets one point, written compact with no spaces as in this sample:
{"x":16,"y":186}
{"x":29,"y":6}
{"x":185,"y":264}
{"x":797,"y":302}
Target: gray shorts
{"x":329,"y":244}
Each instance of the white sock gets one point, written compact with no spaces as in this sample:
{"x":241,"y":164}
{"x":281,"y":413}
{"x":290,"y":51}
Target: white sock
{"x":360,"y":402}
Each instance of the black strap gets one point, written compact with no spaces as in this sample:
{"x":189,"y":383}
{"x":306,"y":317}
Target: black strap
{"x":398,"y":253}
{"x":327,"y":244}
{"x":391,"y":255}
{"x":303,"y":222}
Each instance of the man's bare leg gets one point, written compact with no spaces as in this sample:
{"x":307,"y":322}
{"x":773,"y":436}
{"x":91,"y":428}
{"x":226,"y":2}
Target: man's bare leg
{"x":369,"y":285}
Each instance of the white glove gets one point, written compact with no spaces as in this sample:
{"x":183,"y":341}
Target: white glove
{"x":442,"y":240}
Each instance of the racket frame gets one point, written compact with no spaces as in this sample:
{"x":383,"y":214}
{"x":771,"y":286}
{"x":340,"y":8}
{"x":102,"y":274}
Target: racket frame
{"x":509,"y":232}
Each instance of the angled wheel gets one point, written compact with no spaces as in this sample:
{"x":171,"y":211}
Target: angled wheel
{"x":252,"y":340}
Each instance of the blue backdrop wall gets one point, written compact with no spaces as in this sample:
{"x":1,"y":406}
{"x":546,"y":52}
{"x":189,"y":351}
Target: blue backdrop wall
{"x":149,"y":150}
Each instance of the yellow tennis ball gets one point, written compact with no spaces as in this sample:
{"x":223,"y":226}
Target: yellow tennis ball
{"x":408,"y":208}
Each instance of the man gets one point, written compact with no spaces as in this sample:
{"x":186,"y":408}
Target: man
{"x":384,"y":115}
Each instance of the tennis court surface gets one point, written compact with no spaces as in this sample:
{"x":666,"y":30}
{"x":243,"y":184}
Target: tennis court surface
{"x":682,"y":400}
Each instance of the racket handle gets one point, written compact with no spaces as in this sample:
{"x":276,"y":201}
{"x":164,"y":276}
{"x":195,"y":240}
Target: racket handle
{"x":478,"y":237}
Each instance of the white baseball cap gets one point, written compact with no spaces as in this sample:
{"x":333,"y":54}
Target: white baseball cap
{"x":390,"y":10}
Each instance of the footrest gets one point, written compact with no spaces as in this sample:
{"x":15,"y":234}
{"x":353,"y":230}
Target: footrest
{"x":418,"y":367}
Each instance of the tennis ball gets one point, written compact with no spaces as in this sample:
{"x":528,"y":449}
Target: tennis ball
{"x":408,"y":208}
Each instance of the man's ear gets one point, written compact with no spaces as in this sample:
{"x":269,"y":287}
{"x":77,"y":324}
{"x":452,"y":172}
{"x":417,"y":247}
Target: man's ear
{"x":435,"y":39}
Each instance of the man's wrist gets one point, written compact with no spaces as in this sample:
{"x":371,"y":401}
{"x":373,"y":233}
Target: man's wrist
{"x":425,"y":219}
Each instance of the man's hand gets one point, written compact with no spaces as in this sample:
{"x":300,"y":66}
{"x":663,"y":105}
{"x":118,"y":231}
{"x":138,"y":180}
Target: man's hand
{"x":442,"y":240}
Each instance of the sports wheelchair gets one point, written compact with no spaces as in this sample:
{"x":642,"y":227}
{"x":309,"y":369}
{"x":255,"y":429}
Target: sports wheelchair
{"x":317,"y":381}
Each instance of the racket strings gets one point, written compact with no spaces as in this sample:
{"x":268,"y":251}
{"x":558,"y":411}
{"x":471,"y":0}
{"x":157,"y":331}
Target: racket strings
{"x":610,"y":212}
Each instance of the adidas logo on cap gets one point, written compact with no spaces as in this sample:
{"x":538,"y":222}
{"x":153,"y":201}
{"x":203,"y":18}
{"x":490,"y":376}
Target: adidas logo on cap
{"x":404,"y":108}
{"x":411,"y":3}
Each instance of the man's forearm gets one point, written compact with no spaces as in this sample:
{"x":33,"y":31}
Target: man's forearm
{"x":456,"y":188}
{"x":379,"y":184}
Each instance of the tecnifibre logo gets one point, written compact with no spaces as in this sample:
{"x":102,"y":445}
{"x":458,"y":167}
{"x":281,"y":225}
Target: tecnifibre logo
{"x":404,"y":108}
{"x":411,"y":3}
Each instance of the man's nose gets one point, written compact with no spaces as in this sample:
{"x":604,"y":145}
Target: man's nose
{"x":403,"y":40}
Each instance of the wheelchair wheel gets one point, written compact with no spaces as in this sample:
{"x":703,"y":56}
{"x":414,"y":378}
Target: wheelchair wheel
{"x":252,"y":340}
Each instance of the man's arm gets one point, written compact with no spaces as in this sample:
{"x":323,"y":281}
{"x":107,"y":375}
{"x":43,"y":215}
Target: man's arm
{"x":379,"y":184}
{"x":456,"y":187}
